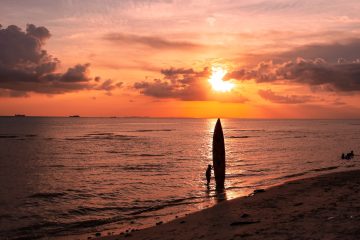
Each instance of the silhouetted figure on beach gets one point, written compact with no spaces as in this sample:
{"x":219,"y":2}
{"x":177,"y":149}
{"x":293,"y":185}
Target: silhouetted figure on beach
{"x":208,"y":174}
{"x":348,"y":156}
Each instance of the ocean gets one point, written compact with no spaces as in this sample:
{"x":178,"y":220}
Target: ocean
{"x":74,"y":177}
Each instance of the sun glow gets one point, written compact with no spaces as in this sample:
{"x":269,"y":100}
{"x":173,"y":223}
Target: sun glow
{"x":217,"y":82}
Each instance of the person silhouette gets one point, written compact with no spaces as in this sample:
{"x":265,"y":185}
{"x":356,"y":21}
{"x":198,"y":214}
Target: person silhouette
{"x":208,"y":174}
{"x":352,"y":154}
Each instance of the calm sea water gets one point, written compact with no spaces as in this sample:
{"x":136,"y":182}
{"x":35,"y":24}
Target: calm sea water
{"x":71,"y":176}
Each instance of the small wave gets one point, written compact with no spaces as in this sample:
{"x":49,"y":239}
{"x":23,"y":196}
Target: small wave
{"x":151,"y":155}
{"x":249,"y":130}
{"x":137,"y":155}
{"x":165,"y":204}
{"x":8,"y":136}
{"x":49,"y":195}
{"x":293,"y":175}
{"x":99,"y":134}
{"x":243,"y":175}
{"x":324,"y":169}
{"x":260,"y":170}
{"x":89,"y":210}
{"x":56,"y":166}
{"x":153,"y":130}
{"x":115,"y":152}
{"x":238,"y":137}
{"x":31,"y":135}
{"x":143,"y":167}
{"x":244,"y":165}
{"x":102,"y":136}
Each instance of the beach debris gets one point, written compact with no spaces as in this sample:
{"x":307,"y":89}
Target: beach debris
{"x":159,"y":223}
{"x":298,"y":204}
{"x":183,"y":222}
{"x":245,"y":215}
{"x":240,"y":223}
{"x":259,"y":191}
{"x":330,"y":218}
{"x":97,"y":234}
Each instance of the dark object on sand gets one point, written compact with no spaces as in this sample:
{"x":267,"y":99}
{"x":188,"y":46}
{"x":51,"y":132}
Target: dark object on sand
{"x":74,"y":116}
{"x":208,"y":174}
{"x":19,"y":115}
{"x":258,"y":191}
{"x":243,"y":223}
{"x":219,"y":155}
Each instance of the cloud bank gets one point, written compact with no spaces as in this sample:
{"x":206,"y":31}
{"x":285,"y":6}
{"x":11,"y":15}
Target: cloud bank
{"x":151,"y":41}
{"x":178,"y":83}
{"x":343,"y":76}
{"x":25,"y":66}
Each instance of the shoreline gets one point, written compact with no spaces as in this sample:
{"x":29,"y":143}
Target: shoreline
{"x":321,"y":207}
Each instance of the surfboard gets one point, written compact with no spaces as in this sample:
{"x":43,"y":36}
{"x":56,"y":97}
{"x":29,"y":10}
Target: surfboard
{"x":219,"y":155}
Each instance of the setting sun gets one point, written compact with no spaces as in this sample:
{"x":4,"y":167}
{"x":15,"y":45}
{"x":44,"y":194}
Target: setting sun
{"x":217,"y":82}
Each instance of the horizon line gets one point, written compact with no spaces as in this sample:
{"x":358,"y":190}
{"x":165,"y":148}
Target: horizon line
{"x":239,"y":118}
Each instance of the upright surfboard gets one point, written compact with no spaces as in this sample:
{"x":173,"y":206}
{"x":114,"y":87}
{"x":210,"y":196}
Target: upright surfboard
{"x":219,"y":155}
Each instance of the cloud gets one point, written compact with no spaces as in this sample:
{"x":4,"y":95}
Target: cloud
{"x":343,"y":76}
{"x":185,"y":84}
{"x":150,"y":41}
{"x":347,"y":49}
{"x":25,"y":66}
{"x":177,"y":83}
{"x":288,"y":99}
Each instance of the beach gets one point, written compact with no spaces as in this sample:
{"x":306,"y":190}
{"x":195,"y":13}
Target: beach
{"x":321,"y":207}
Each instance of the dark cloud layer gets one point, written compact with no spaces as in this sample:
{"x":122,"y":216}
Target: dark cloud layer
{"x":150,"y":41}
{"x":178,"y":83}
{"x":340,"y":76}
{"x":330,"y":52}
{"x":26,"y":67}
{"x":288,"y":99}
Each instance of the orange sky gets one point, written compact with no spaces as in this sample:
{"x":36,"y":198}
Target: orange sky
{"x":286,"y":58}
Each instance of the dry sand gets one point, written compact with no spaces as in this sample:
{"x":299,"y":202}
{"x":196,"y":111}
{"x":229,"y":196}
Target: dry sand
{"x":323,"y":207}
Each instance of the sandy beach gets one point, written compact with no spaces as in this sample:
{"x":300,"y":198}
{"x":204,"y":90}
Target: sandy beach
{"x":323,"y":207}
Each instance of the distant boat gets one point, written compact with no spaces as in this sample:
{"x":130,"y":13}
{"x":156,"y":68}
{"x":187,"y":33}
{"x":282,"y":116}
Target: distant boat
{"x":19,"y":115}
{"x":74,"y":116}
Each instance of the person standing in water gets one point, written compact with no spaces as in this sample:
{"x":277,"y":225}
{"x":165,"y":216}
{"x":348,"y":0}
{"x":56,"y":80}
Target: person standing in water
{"x":208,"y":174}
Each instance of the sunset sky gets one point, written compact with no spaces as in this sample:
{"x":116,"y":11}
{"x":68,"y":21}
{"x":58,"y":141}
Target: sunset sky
{"x":282,"y":58}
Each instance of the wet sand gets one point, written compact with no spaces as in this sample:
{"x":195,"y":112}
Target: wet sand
{"x":323,"y":207}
